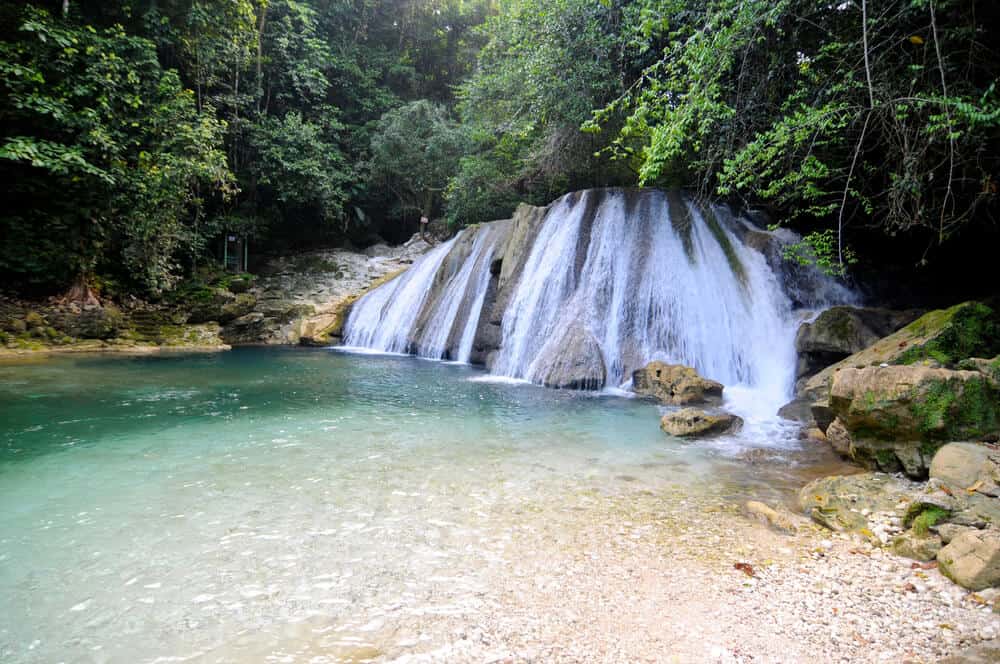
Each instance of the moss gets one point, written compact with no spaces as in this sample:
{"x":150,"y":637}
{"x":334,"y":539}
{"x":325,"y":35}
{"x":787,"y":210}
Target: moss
{"x":927,"y":518}
{"x":954,"y":410}
{"x":886,"y":459}
{"x":965,"y":330}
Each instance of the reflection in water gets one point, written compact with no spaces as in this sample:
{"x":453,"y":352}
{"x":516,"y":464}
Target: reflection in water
{"x":229,"y":504}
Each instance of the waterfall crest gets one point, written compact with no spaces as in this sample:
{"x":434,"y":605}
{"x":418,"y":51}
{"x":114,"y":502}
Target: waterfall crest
{"x":582,"y":293}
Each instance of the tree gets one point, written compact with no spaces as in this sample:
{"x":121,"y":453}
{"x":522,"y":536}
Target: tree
{"x":415,"y":149}
{"x":107,"y":159}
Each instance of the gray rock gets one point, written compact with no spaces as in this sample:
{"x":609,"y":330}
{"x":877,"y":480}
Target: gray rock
{"x":972,"y":559}
{"x":692,"y":422}
{"x":574,"y":362}
{"x":675,"y":384}
{"x":966,"y":465}
{"x":911,"y":545}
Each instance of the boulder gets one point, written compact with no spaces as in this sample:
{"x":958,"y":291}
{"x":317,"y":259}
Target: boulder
{"x":971,"y":466}
{"x":692,"y":422}
{"x":946,"y":336}
{"x":845,"y":503}
{"x":917,"y":547}
{"x":898,"y":416}
{"x":675,"y":384}
{"x":972,"y":559}
{"x":573,"y":362}
{"x":842,"y":331}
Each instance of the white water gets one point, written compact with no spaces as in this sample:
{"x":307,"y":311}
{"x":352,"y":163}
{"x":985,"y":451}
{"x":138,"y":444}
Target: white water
{"x":389,"y":319}
{"x":641,"y":280}
{"x":382,"y":319}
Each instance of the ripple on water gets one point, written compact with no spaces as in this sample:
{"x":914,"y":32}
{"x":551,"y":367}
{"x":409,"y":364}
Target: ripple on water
{"x":357,"y":501}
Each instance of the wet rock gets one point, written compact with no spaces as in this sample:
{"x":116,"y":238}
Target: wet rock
{"x":692,"y":422}
{"x":776,"y":518}
{"x":972,"y":559}
{"x":897,"y":416}
{"x":797,"y":410}
{"x":968,"y":466}
{"x":574,"y":362}
{"x":917,"y":547}
{"x":675,"y":384}
{"x":842,"y":331}
{"x":850,"y":502}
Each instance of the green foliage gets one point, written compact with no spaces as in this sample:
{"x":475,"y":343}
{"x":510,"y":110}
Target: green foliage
{"x":415,"y":149}
{"x":928,"y":517}
{"x":545,"y":66}
{"x":832,"y":121}
{"x":107,"y":156}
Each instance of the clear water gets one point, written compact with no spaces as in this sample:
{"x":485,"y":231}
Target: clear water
{"x":218,"y":507}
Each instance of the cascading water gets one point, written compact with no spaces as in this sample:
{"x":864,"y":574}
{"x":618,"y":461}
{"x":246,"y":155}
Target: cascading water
{"x":410,"y":314}
{"x":600,"y":284}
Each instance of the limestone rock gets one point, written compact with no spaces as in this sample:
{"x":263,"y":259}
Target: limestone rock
{"x":842,"y":331}
{"x":911,"y":545}
{"x":675,"y":384}
{"x":692,"y":422}
{"x":776,"y":518}
{"x":574,"y":361}
{"x":968,"y":466}
{"x":897,"y":416}
{"x":949,"y":531}
{"x":845,"y":502}
{"x":972,"y":559}
{"x":970,"y":329}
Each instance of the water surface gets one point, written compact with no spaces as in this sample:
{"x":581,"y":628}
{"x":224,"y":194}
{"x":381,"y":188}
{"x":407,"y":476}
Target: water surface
{"x":214,"y":507}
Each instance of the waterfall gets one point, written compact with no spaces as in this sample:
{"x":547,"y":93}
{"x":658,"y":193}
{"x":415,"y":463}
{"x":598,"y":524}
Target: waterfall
{"x":597,"y":285}
{"x":432,"y":309}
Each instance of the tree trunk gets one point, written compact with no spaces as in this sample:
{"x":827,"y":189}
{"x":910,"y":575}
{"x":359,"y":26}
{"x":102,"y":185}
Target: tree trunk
{"x":80,"y":293}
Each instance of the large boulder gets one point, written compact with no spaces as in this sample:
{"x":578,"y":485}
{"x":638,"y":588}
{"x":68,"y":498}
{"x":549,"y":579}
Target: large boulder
{"x":842,"y":331}
{"x":944,"y":336}
{"x":693,"y":423}
{"x":574,"y":361}
{"x":970,"y":466}
{"x":972,"y":559}
{"x":898,"y":416}
{"x":675,"y":384}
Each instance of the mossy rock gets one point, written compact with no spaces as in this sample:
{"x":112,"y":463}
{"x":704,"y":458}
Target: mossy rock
{"x":942,"y":337}
{"x":34,"y":319}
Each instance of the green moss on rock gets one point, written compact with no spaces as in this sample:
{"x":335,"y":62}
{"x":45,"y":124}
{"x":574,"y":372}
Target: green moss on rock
{"x":966,"y":330}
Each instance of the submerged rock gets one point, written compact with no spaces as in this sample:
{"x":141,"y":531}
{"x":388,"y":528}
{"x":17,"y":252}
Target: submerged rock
{"x":972,"y":559}
{"x":675,"y":384}
{"x":692,"y":422}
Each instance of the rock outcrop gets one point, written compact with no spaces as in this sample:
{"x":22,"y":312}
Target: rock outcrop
{"x":574,"y":362}
{"x":675,"y":384}
{"x":695,"y":423}
{"x":842,"y":331}
{"x":945,"y":337}
{"x":304,"y":299}
{"x":895,"y":417}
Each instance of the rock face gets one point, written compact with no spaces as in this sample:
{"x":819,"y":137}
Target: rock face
{"x":972,"y":559}
{"x":896,"y":417}
{"x":575,"y":362}
{"x":694,"y":423}
{"x":304,"y":299}
{"x":675,"y":384}
{"x":946,"y":336}
{"x":842,"y":331}
{"x":968,"y":466}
